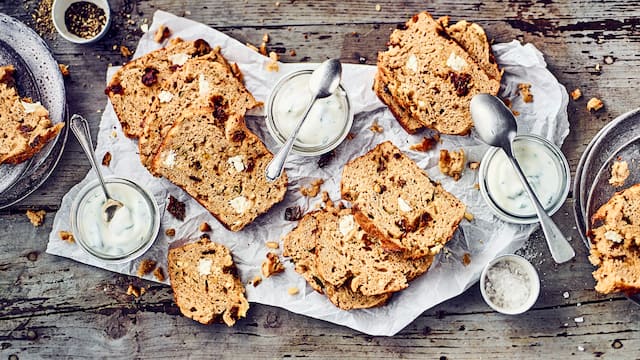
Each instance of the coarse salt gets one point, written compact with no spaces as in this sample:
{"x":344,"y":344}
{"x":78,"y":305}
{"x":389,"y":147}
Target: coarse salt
{"x":507,"y":285}
{"x":579,"y":319}
{"x":565,"y":295}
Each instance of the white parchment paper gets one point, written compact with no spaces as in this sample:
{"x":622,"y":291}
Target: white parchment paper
{"x":483,"y":238}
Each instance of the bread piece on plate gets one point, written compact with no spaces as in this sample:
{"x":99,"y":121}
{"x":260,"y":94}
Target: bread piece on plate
{"x":134,"y":86}
{"x":347,"y":255}
{"x":188,"y":90}
{"x":615,"y":244}
{"x":395,"y":201}
{"x":25,"y":126}
{"x":214,"y":157}
{"x":431,"y":76}
{"x":301,"y":246}
{"x":205,"y":284}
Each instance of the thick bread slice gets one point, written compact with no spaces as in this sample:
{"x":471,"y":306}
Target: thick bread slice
{"x":431,"y":76}
{"x":25,"y":127}
{"x":347,"y":255}
{"x":134,"y":86}
{"x":395,"y":201}
{"x":615,"y":245}
{"x":220,"y":163}
{"x":300,"y":245}
{"x":205,"y":284}
{"x":188,"y":89}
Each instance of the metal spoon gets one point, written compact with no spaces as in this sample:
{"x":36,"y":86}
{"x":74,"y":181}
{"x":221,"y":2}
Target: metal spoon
{"x":323,"y":82}
{"x":496,"y":125}
{"x":80,"y":128}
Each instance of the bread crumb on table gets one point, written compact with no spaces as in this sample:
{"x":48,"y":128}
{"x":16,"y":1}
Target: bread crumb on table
{"x":170,"y":232}
{"x":66,"y":236}
{"x":252,"y":47}
{"x":376,"y":128}
{"x":273,"y":64}
{"x":64,"y":70}
{"x":36,"y":217}
{"x":256,"y":280}
{"x":158,"y":273}
{"x":272,"y":245}
{"x":124,"y":51}
{"x":594,"y":104}
{"x":525,"y":92}
{"x":576,"y":94}
{"x":272,"y":265}
{"x":468,"y":216}
{"x":106,"y":159}
{"x":161,"y":34}
{"x":146,"y":266}
{"x":619,"y":173}
{"x":204,"y":227}
{"x":466,"y":259}
{"x":451,"y":163}
{"x":293,"y":291}
{"x":313,"y":189}
{"x":425,"y":145}
{"x":135,"y":291}
{"x":474,"y":165}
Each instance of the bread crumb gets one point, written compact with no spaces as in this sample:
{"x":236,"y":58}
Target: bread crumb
{"x":146,"y":266}
{"x":451,"y":163}
{"x":476,"y":186}
{"x":378,"y":7}
{"x":425,"y":145}
{"x":265,"y":38}
{"x":161,"y":34}
{"x":292,"y":52}
{"x":272,"y":265}
{"x":468,"y":216}
{"x":135,"y":291}
{"x":256,"y":280}
{"x":273,"y":64}
{"x":313,"y":189}
{"x":466,"y":259}
{"x":474,"y":165}
{"x":576,"y":94}
{"x":594,"y":104}
{"x":272,"y":245}
{"x":204,"y":227}
{"x":376,"y":128}
{"x":158,"y":273}
{"x":253,"y":47}
{"x":515,"y":112}
{"x":66,"y":236}
{"x":36,"y":217}
{"x":64,"y":70}
{"x":525,"y":92}
{"x":619,"y":173}
{"x":124,"y":51}
{"x":293,"y":291}
{"x":351,"y":136}
{"x":170,"y":232}
{"x":263,"y":48}
{"x":106,"y":159}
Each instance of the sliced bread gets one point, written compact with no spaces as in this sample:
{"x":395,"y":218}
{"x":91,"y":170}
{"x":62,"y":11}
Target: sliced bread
{"x":25,"y":126}
{"x":205,"y":285}
{"x":134,"y":87}
{"x":214,"y":157}
{"x":430,"y":76}
{"x":395,"y":201}
{"x":615,"y":244}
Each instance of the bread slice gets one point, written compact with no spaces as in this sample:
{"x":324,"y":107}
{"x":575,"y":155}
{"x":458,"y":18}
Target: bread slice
{"x":615,"y":245}
{"x":301,"y":245}
{"x":395,"y":201}
{"x":205,"y":284}
{"x":431,"y":76}
{"x":212,"y":155}
{"x":187,"y":90}
{"x":134,"y":86}
{"x":347,"y":255}
{"x":25,"y":127}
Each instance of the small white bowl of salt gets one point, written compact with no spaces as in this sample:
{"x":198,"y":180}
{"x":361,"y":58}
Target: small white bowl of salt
{"x":510,"y":284}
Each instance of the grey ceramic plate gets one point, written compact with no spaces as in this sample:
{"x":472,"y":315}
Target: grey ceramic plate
{"x":37,"y":76}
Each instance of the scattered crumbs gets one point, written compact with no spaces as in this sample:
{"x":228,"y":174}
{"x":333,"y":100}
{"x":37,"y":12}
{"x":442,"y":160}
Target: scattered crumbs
{"x":580,"y":348}
{"x":124,"y":51}
{"x":252,"y":47}
{"x":66,"y":236}
{"x":579,"y":319}
{"x":272,"y":245}
{"x":158,"y":273}
{"x":378,"y":7}
{"x":565,"y":294}
{"x":525,"y":92}
{"x":273,"y":64}
{"x":292,"y":52}
{"x":146,"y":266}
{"x":114,"y":134}
{"x":265,"y":38}
{"x":476,"y":186}
{"x":424,"y":145}
{"x":135,"y":291}
{"x":106,"y":159}
{"x":468,"y":216}
{"x":466,"y":259}
{"x":36,"y":217}
{"x":313,"y":189}
{"x":161,"y":34}
{"x":608,"y":60}
{"x":176,"y":208}
{"x":594,"y":104}
{"x":64,"y":70}
{"x":145,"y":28}
{"x":256,"y":280}
{"x":293,"y":291}
{"x":204,"y":227}
{"x":263,"y":48}
{"x":271,"y":265}
{"x":576,"y":94}
{"x":515,"y":112}
{"x":451,"y":163}
{"x":619,"y":173}
{"x":170,"y":232}
{"x":376,"y":128}
{"x":474,"y":165}
{"x":351,"y":136}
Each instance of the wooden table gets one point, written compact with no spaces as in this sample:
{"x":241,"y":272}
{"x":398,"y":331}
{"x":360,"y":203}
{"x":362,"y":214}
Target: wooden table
{"x":51,"y":306}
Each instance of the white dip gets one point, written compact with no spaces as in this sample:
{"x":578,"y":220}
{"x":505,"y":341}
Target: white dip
{"x":542,"y":171}
{"x":325,"y":122}
{"x":128,"y":230}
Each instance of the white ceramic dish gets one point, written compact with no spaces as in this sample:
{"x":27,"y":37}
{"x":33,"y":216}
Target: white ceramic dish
{"x":531,"y":273}
{"x":57,"y":15}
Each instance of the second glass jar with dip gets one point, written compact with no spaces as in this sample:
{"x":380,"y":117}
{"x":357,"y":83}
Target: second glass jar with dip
{"x":544,"y":165}
{"x":327,"y":124}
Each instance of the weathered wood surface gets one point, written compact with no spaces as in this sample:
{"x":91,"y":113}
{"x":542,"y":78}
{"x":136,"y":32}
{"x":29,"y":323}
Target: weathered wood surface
{"x":54,"y":307}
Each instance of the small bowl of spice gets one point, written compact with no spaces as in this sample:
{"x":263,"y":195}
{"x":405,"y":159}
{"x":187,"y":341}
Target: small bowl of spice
{"x":510,"y":284}
{"x":81,"y":22}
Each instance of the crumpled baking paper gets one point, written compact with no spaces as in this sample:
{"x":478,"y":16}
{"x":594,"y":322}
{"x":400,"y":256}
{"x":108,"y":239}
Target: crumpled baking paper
{"x":483,"y":238}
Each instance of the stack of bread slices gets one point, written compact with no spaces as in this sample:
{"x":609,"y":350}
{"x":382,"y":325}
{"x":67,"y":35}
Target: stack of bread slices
{"x":186,"y":105}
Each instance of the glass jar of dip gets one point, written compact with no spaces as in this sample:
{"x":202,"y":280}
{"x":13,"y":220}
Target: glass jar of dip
{"x":327,"y":124}
{"x":128,"y":235}
{"x":545,"y":167}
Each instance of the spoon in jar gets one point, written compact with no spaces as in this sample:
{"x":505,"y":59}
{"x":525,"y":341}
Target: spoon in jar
{"x":496,"y":126}
{"x":323,"y":82}
{"x":80,"y":128}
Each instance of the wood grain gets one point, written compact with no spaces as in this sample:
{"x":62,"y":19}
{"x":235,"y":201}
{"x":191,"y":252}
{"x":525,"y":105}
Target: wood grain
{"x":54,"y":307}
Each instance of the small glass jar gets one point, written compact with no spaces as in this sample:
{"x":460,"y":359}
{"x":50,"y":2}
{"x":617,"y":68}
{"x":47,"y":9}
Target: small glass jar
{"x":544,"y":165}
{"x":129,"y":234}
{"x":510,"y":284}
{"x":327,"y":125}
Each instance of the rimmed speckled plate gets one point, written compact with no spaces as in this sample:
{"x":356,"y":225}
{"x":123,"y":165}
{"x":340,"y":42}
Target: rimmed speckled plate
{"x":37,"y":76}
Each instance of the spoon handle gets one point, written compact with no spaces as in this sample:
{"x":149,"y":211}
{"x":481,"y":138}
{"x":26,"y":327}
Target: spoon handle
{"x":276,"y":165}
{"x":80,"y":128}
{"x":561,"y":250}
